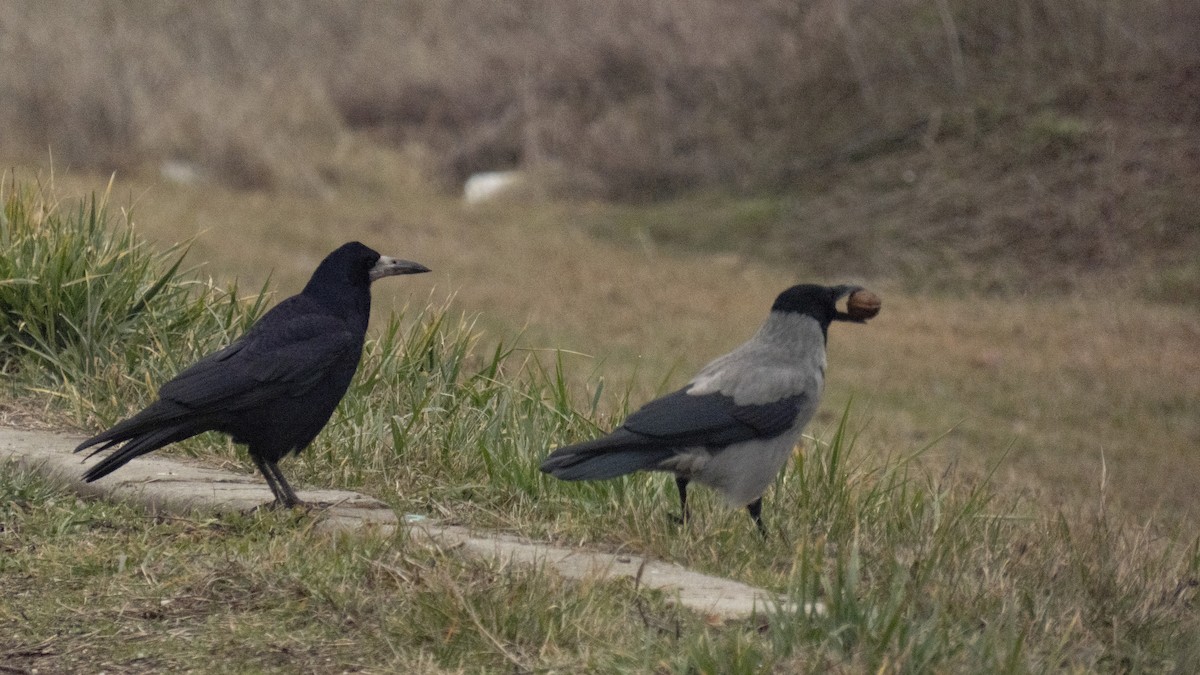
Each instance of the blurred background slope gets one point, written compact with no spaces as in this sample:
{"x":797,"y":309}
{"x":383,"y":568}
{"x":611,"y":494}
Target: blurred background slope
{"x":1041,"y":139}
{"x":1020,"y":179}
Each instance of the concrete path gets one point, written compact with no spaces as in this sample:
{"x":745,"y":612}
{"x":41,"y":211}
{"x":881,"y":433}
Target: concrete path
{"x":171,"y":486}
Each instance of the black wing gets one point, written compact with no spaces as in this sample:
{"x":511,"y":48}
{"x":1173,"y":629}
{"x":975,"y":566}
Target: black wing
{"x":659,"y":429}
{"x":286,"y":354}
{"x":712,"y":420}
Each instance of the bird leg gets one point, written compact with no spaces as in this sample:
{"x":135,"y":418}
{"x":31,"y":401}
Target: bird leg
{"x":266,"y":473}
{"x":290,"y":500}
{"x":284,"y":496}
{"x":755,"y":509}
{"x":682,"y":483}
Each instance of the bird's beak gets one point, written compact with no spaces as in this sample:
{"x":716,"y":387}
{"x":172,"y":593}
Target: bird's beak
{"x":387,"y":267}
{"x":840,"y":292}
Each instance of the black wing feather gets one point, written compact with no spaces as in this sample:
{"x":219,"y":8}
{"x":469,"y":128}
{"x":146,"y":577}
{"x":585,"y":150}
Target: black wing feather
{"x":284,"y":356}
{"x":658,"y":429}
{"x":712,"y":420}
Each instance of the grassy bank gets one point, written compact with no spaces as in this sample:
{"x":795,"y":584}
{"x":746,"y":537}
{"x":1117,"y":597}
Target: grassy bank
{"x":1058,"y":388}
{"x":923,"y":569}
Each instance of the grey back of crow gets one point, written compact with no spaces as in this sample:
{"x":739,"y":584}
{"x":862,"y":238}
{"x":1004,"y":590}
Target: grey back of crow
{"x":735,"y":424}
{"x":275,"y":388}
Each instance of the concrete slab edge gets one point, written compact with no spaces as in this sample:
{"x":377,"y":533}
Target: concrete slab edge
{"x":169,"y":486}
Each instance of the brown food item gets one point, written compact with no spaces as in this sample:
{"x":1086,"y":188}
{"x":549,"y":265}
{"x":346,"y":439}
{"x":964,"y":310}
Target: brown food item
{"x":863,"y":304}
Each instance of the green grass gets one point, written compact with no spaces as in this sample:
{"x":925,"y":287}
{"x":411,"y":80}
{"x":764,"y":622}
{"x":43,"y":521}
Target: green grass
{"x":83,"y":304}
{"x":920,"y":571}
{"x":104,"y":586}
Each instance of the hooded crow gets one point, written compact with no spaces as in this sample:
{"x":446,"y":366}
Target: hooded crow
{"x":735,"y":424}
{"x":275,"y":387}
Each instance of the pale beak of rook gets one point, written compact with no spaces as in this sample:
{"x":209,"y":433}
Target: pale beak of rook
{"x":388,"y":267}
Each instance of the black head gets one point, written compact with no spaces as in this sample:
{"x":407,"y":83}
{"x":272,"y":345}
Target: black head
{"x":819,"y":302}
{"x":355,"y":264}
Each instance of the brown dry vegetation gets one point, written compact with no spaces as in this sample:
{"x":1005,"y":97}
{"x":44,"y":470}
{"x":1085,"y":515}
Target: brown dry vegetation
{"x":1019,"y":181}
{"x":1054,"y":389}
{"x":948,"y":145}
{"x":1006,"y":147}
{"x":646,"y":99}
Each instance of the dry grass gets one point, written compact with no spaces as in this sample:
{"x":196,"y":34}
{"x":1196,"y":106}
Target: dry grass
{"x":629,"y":99}
{"x":98,"y":587}
{"x":933,"y":151}
{"x":1006,"y":148}
{"x":1048,"y":203}
{"x":1054,"y":389}
{"x":932,"y":569}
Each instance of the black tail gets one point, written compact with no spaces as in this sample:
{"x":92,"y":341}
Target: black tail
{"x":614,"y":455}
{"x":145,"y":432}
{"x":135,"y":448}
